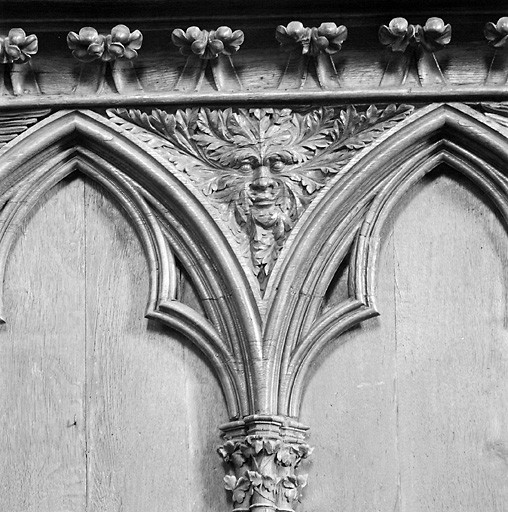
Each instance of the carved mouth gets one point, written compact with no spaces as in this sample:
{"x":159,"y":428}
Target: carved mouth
{"x":263,"y":202}
{"x":263,"y":199}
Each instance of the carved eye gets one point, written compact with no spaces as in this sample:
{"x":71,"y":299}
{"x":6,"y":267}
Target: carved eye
{"x":277,"y":165}
{"x":246,"y":167}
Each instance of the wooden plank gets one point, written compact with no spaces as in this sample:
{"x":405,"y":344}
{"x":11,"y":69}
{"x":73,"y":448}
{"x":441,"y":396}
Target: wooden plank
{"x":452,"y":351}
{"x":153,"y":406}
{"x":410,"y":414}
{"x":350,"y":410}
{"x":42,"y":371}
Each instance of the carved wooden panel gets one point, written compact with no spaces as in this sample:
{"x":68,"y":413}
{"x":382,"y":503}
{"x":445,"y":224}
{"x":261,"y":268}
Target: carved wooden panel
{"x":101,"y":408}
{"x":413,"y":403}
{"x":265,"y":231}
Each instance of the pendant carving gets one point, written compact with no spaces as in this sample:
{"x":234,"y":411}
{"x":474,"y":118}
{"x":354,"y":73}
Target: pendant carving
{"x":262,"y":167}
{"x":263,"y":464}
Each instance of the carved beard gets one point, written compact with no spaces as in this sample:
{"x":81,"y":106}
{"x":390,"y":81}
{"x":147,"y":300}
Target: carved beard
{"x":267,"y":220}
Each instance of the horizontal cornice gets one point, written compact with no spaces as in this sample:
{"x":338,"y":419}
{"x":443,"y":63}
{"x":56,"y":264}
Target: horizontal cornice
{"x":357,"y":96}
{"x":260,"y":72}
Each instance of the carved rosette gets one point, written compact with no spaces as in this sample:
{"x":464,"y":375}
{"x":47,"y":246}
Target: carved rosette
{"x":263,"y":455}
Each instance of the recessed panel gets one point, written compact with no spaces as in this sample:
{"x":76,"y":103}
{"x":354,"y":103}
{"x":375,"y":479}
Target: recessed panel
{"x":410,"y":412}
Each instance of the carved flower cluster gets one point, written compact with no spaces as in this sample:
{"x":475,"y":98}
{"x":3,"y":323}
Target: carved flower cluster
{"x":327,"y":38}
{"x":398,"y":34}
{"x":17,"y":47}
{"x":88,"y":45}
{"x":497,"y":34}
{"x":207,"y":44}
{"x":264,"y":456}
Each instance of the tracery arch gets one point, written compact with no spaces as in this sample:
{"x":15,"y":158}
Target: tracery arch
{"x":169,"y":221}
{"x":349,"y":217}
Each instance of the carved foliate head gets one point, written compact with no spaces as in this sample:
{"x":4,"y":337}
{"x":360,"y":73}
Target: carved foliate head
{"x":262,"y":166}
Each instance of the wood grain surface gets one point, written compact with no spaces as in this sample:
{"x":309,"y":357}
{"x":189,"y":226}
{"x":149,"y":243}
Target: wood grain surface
{"x":409,"y":413}
{"x":101,"y":410}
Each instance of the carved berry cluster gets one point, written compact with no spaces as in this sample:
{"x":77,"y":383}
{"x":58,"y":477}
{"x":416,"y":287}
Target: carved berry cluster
{"x":327,"y":38}
{"x":207,"y":44}
{"x":17,"y":47}
{"x":88,"y":45}
{"x":432,"y":36}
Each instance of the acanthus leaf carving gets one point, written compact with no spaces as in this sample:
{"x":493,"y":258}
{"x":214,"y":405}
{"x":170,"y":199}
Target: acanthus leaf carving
{"x":261,"y":167}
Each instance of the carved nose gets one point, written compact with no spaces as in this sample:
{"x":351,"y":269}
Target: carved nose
{"x":262,"y":179}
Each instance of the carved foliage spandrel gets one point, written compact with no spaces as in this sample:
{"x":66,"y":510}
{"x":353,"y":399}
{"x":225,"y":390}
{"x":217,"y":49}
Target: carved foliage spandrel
{"x":496,"y":111}
{"x":261,"y":167}
{"x":263,"y":473}
{"x":16,"y":122}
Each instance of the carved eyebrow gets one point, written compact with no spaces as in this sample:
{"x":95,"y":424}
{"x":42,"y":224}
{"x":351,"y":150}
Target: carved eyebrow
{"x":249,"y":159}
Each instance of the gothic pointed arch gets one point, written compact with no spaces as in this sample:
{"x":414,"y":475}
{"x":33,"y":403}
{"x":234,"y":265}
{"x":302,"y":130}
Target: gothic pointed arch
{"x":171,"y":225}
{"x":348,"y":219}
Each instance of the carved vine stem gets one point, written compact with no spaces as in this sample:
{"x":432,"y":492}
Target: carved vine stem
{"x":263,"y":454}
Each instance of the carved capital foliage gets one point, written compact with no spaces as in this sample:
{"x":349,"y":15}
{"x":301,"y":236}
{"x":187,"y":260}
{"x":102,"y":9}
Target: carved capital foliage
{"x":263,"y":455}
{"x":261,"y":167}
